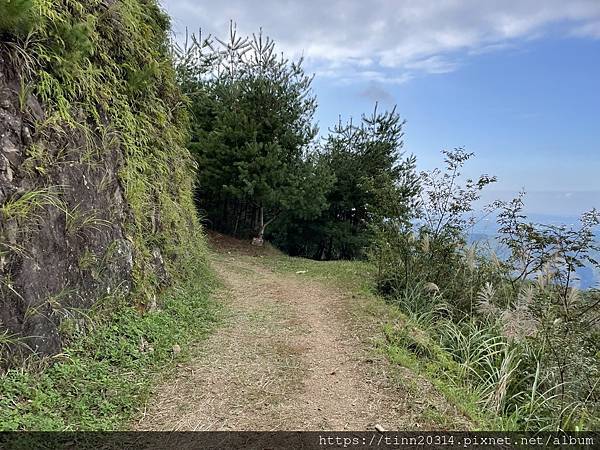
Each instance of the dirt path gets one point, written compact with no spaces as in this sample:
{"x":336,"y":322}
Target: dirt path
{"x":289,"y":358}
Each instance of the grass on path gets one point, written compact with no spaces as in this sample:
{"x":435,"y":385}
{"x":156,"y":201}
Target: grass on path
{"x":397,"y":337}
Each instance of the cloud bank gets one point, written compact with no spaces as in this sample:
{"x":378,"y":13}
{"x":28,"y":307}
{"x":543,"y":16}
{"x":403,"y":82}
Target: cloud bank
{"x":389,"y":41}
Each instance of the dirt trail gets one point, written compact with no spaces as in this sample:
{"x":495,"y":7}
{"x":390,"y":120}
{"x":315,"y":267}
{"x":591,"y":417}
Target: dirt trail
{"x":289,"y":358}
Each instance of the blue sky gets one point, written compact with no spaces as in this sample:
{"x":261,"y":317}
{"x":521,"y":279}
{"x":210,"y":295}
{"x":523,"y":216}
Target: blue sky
{"x":515,"y":82}
{"x":530,"y":113}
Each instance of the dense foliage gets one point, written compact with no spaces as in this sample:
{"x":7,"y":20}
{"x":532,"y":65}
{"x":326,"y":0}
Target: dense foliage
{"x":373,"y":184}
{"x":252,"y":125}
{"x":104,"y":74}
{"x":260,"y":164}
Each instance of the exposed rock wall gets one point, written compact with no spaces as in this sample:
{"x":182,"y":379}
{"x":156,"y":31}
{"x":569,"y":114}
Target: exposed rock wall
{"x":61,"y":230}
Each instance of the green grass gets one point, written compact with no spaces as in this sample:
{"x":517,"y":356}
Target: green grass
{"x":354,"y":276}
{"x":410,"y":347}
{"x":101,"y":380}
{"x":81,"y":60}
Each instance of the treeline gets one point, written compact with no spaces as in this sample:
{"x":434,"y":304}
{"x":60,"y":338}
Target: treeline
{"x":262,"y":170}
{"x":513,"y":332}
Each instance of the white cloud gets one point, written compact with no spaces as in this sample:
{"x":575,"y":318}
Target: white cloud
{"x":590,"y":29}
{"x":433,"y":64}
{"x":388,"y":40}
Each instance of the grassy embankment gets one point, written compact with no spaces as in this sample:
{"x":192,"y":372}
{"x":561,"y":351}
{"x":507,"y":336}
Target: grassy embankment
{"x":104,"y":74}
{"x":103,"y":378}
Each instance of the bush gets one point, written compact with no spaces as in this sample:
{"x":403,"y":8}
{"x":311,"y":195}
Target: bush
{"x":432,"y":250}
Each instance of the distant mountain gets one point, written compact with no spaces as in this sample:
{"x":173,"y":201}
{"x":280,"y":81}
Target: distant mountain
{"x":588,"y":276}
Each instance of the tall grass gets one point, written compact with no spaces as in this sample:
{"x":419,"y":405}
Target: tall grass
{"x":510,"y":378}
{"x":513,"y":332}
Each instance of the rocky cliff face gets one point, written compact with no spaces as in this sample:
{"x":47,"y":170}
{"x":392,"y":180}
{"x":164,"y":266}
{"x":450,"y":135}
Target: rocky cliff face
{"x":95,"y":181}
{"x":61,"y":231}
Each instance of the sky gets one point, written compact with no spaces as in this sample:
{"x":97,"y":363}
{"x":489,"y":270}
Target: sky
{"x":515,"y":82}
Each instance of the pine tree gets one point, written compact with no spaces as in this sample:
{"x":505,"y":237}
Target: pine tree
{"x":373,"y":183}
{"x":252,"y":122}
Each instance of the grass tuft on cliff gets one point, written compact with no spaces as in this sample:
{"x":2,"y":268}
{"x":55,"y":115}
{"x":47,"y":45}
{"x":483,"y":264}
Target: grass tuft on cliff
{"x":103,"y":72}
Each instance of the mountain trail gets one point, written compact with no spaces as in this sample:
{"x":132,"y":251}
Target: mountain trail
{"x":291,"y":356}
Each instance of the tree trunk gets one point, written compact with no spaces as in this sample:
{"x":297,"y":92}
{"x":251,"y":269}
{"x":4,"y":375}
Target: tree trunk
{"x":237,"y":219}
{"x":321,"y":252}
{"x":261,"y":228}
{"x":259,"y":240}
